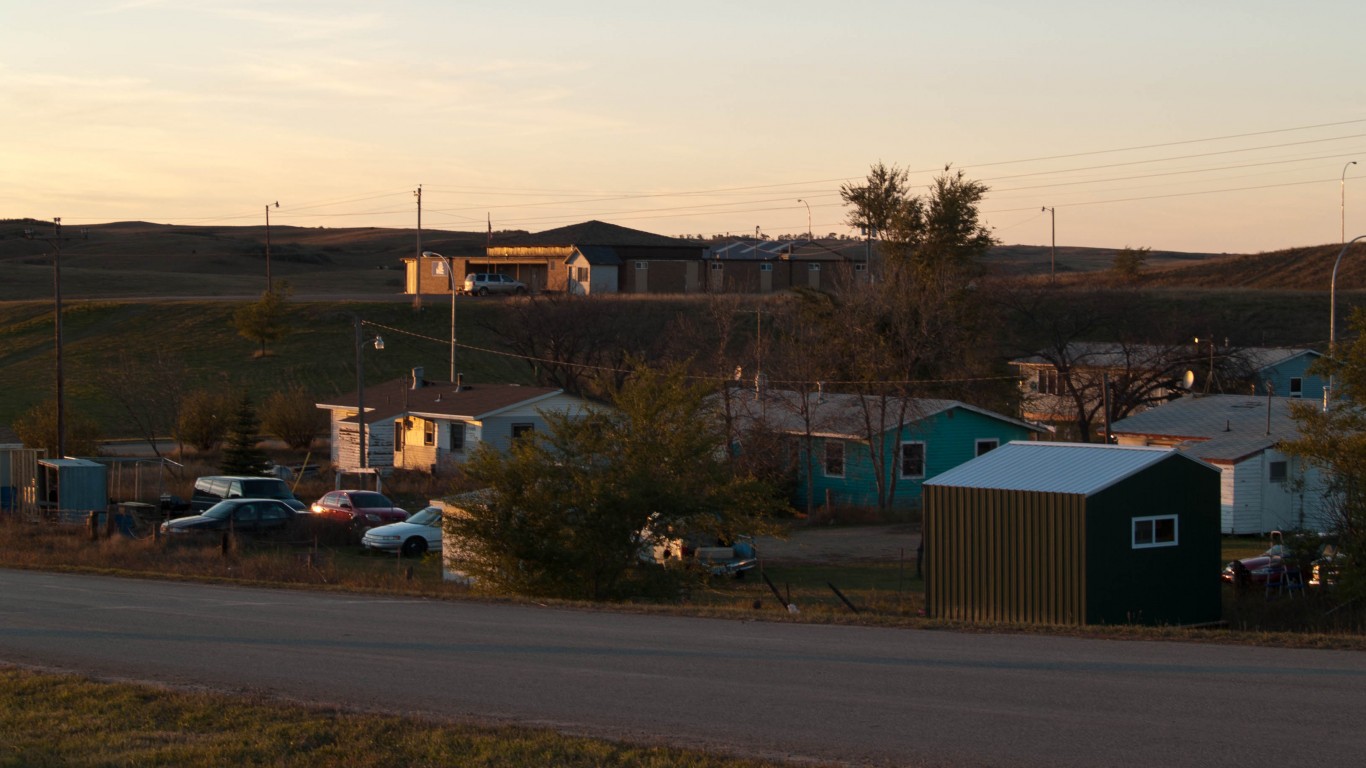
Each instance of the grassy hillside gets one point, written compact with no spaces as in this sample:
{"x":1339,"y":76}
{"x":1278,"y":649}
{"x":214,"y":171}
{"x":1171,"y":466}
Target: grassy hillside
{"x":319,"y":353}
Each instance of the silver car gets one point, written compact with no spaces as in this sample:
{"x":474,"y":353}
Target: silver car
{"x":413,"y":537}
{"x":484,"y":283}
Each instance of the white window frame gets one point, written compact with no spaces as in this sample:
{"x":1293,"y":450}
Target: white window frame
{"x":642,"y":265}
{"x":428,"y":432}
{"x":901,"y":460}
{"x":460,"y":428}
{"x":1150,"y":540}
{"x":766,"y":267}
{"x":814,"y":267}
{"x":825,"y":463}
{"x":995,"y":443}
{"x":1296,"y":386}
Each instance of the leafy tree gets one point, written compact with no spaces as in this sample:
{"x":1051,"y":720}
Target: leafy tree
{"x":203,"y":418}
{"x":37,"y":428}
{"x":263,"y":321}
{"x":941,"y":234}
{"x":878,"y":200}
{"x":1129,"y":263}
{"x":1334,"y":440}
{"x":568,"y":510}
{"x":293,"y":416}
{"x":242,"y":455}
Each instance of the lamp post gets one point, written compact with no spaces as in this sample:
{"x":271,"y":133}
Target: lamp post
{"x":1052,"y":249}
{"x":1333,"y":317}
{"x":360,"y":388}
{"x":1342,"y":204}
{"x":450,"y":275}
{"x":270,"y":286}
{"x":809,"y":234}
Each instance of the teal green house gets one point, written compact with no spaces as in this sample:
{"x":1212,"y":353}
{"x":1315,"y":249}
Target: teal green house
{"x":872,"y":451}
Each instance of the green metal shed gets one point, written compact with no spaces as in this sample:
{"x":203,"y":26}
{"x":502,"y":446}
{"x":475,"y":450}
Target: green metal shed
{"x":1065,"y":533}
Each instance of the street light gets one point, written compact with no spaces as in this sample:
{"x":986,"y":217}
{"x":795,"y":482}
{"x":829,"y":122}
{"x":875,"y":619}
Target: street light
{"x":450,"y":274}
{"x":1053,"y":249}
{"x":270,"y":286}
{"x":809,"y":234}
{"x":1333,"y":316}
{"x":1342,"y":194}
{"x":360,"y":387}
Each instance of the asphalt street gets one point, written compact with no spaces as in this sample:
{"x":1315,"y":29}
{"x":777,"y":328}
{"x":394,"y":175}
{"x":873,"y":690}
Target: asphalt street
{"x":856,"y":695}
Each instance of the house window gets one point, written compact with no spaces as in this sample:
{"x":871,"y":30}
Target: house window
{"x":912,"y":460}
{"x":457,"y":436}
{"x":1296,"y":386}
{"x":814,"y":267}
{"x":581,"y":274}
{"x":1151,"y":532}
{"x":1051,"y":383}
{"x":860,"y":267}
{"x":519,"y":430}
{"x":642,"y":265}
{"x":398,"y":435}
{"x":428,"y":432}
{"x":1276,"y":471}
{"x":834,"y":458}
{"x":765,"y":267}
{"x":717,"y":266}
{"x":987,"y":444}
{"x":439,"y":268}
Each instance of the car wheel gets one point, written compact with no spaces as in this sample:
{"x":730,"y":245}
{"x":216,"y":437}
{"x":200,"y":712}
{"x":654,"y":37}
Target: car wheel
{"x":483,"y":291}
{"x":415,"y":547}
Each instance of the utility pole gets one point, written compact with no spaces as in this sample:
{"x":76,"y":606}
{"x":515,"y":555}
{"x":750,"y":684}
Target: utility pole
{"x":1052,"y":249}
{"x":270,"y":286}
{"x":417,"y":266}
{"x":57,"y":341}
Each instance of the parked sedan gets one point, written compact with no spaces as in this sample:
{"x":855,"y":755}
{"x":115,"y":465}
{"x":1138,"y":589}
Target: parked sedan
{"x":413,"y":537}
{"x":247,"y":516}
{"x":359,"y":510}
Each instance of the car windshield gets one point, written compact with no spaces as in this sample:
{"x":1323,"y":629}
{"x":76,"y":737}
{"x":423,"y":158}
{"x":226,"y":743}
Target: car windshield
{"x":428,"y":516}
{"x":220,"y":511}
{"x":264,"y":489}
{"x":369,"y":500}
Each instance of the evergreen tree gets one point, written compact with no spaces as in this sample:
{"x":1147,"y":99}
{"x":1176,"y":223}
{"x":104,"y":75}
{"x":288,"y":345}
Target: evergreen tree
{"x":242,"y":455}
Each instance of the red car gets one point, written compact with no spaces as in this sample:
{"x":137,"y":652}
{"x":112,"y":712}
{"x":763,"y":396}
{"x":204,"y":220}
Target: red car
{"x":360,"y":510}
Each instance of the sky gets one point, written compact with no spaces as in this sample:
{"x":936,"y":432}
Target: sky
{"x":1223,"y":127}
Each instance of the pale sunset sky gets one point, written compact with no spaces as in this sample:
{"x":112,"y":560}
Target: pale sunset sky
{"x":1200,"y":125}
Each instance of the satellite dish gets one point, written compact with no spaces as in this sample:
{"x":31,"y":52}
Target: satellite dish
{"x":1188,"y":380}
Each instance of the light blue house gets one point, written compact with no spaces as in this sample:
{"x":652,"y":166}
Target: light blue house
{"x":870,"y":451}
{"x":1287,"y":371}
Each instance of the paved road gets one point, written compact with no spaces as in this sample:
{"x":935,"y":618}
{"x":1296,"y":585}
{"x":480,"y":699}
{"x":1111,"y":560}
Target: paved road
{"x":856,"y":695}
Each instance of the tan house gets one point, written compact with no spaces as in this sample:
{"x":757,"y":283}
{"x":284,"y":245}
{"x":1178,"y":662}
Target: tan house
{"x":412,"y":423}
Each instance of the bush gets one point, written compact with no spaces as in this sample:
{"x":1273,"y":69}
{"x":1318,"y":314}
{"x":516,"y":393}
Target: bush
{"x":203,"y":419}
{"x":293,"y":416}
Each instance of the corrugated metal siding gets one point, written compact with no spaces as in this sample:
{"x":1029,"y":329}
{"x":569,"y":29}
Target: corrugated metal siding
{"x":1003,"y":556}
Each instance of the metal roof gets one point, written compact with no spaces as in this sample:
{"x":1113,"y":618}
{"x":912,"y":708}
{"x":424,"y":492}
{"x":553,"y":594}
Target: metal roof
{"x":1070,"y":468}
{"x":846,"y":416}
{"x":1222,"y":428}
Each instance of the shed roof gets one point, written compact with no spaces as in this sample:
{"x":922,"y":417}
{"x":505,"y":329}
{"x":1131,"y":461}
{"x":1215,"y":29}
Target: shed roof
{"x":1069,"y":468}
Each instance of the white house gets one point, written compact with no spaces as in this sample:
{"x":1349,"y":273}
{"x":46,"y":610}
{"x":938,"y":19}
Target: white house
{"x":411,"y":423}
{"x":1262,"y":488}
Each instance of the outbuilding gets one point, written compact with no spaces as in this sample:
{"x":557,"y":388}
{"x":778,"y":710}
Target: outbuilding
{"x":1066,"y":533}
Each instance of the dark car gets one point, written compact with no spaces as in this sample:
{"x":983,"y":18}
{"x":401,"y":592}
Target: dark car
{"x":212,"y":489}
{"x":359,"y":510}
{"x":244,"y":516}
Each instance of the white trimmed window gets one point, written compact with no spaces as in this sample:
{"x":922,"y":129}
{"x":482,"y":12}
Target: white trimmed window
{"x":1159,"y":531}
{"x":1276,"y":471}
{"x":428,"y":432}
{"x":1296,"y":387}
{"x":457,"y":436}
{"x":912,"y":460}
{"x":642,"y":265}
{"x":986,"y":444}
{"x":834,"y":458}
{"x":765,"y":267}
{"x":814,"y":267}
